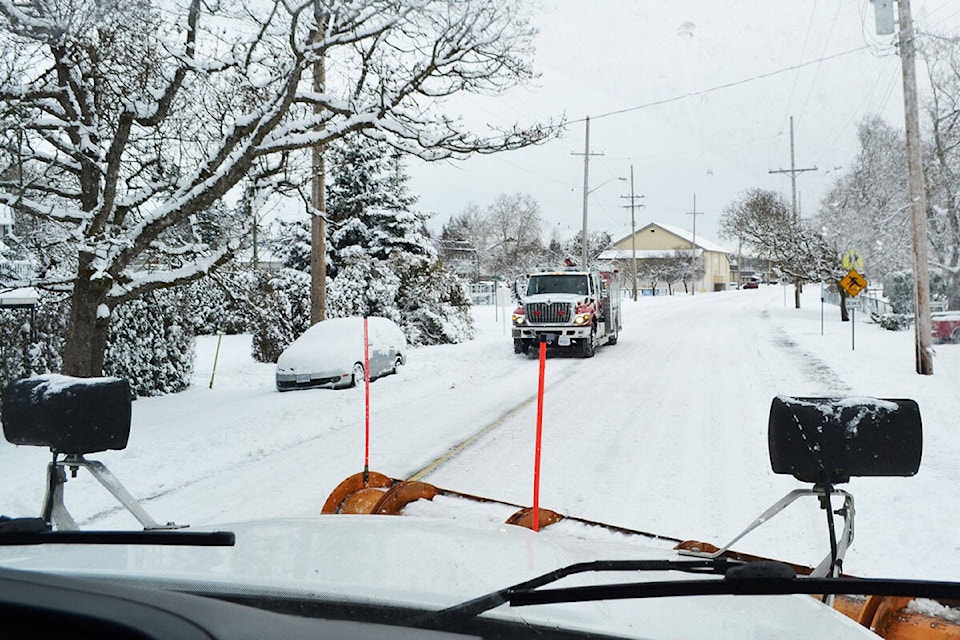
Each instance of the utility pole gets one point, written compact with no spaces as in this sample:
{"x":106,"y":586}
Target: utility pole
{"x":318,"y":201}
{"x":633,"y":231}
{"x":586,"y":190}
{"x":793,"y":171}
{"x":918,"y":205}
{"x":693,"y":247}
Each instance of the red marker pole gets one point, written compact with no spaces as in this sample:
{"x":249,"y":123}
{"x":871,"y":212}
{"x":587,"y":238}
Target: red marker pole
{"x":366,"y":401}
{"x":536,"y":456}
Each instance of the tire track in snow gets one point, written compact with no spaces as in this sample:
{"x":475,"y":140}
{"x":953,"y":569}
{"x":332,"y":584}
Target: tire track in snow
{"x":472,"y":439}
{"x":813,"y":367}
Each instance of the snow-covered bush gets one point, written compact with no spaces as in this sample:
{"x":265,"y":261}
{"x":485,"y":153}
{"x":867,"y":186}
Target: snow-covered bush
{"x":364,"y":287}
{"x":151,"y":343}
{"x":434,"y":303}
{"x":892,"y":321}
{"x":898,"y":289}
{"x":26,"y":349}
{"x":283,"y":303}
{"x":222,"y":304}
{"x":428,"y":302}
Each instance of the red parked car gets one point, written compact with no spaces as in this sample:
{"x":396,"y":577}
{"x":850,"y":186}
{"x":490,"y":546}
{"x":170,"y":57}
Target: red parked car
{"x":946,"y":326}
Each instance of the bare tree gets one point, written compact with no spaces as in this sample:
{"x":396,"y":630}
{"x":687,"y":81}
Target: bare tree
{"x":797,"y":248}
{"x":942,"y":161}
{"x":867,"y":207}
{"x":136,"y":118}
{"x":516,"y":233}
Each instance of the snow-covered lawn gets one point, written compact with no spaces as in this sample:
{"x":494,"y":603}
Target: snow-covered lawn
{"x":664,"y":432}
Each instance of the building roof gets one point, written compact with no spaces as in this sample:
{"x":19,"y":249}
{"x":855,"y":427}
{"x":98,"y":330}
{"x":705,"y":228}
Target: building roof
{"x":644,"y":254}
{"x":685,"y":234}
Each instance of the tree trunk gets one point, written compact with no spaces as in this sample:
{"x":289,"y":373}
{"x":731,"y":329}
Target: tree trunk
{"x":844,"y":314}
{"x":797,"y":290}
{"x":87,"y":331}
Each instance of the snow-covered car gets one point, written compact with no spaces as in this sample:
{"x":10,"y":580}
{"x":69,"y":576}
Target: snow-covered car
{"x":945,"y":326}
{"x":331,"y":354}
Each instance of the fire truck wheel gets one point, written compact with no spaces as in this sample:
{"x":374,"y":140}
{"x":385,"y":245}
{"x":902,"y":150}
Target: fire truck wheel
{"x":588,"y":346}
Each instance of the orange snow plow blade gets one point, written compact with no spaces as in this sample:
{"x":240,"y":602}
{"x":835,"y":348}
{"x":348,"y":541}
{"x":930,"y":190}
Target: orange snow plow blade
{"x":894,"y":618}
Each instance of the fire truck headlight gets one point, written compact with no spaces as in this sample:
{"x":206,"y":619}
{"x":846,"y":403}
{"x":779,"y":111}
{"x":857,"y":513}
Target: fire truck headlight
{"x":582,"y":319}
{"x":518,"y":319}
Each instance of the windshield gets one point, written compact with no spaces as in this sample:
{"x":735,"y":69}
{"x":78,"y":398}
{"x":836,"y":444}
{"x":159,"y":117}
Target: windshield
{"x":722,"y":189}
{"x":558,"y":284}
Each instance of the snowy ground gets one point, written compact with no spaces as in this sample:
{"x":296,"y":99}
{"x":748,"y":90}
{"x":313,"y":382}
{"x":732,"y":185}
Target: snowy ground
{"x":663,"y":432}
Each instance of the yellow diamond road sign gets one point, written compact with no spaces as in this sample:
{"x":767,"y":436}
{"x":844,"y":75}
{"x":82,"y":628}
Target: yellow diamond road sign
{"x":853,"y":283}
{"x":852,"y":260}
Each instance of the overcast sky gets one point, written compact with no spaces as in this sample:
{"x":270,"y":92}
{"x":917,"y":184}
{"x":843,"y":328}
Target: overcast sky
{"x":604,"y":56}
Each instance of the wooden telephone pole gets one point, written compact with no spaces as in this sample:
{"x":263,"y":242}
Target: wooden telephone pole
{"x":633,"y":230}
{"x":918,"y":203}
{"x":693,"y":247}
{"x":318,"y":200}
{"x":793,"y":171}
{"x":586,"y":190}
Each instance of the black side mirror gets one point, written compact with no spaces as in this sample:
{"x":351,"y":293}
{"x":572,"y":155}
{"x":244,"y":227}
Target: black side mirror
{"x":830,"y":440}
{"x":69,"y":415}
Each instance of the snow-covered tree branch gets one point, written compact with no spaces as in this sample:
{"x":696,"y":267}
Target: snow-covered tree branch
{"x":124,"y":121}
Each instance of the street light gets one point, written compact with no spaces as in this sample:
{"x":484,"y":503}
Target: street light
{"x":583,"y":239}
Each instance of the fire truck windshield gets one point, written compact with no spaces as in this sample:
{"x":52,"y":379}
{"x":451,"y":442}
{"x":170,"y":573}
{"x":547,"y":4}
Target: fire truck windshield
{"x":557,"y":284}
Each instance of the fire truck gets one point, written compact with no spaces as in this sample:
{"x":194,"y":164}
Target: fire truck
{"x":569,"y":309}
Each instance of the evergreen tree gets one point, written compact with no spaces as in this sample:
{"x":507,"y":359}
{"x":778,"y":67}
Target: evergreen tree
{"x":380,"y":256}
{"x":151,"y":343}
{"x":369,"y":205}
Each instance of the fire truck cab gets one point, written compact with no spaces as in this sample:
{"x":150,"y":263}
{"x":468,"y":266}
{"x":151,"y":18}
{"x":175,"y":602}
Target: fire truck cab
{"x":567,"y":309}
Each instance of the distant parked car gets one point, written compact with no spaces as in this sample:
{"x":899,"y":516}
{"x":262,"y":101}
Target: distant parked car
{"x":753,"y":284}
{"x":945,"y":326}
{"x":330,"y":354}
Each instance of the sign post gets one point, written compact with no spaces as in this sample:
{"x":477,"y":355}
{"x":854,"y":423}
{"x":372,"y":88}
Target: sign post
{"x":853,"y":283}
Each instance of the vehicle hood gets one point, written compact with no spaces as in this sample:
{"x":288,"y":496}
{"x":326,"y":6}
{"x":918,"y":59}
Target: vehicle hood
{"x":575,"y":298}
{"x":435,"y":563}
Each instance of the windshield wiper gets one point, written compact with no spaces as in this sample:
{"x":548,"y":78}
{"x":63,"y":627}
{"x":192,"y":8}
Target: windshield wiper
{"x":476,"y":606}
{"x":759,"y":578}
{"x":30,"y":531}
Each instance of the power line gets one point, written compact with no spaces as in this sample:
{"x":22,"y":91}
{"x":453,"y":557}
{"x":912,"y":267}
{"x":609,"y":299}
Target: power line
{"x":694,"y":94}
{"x":796,"y":78}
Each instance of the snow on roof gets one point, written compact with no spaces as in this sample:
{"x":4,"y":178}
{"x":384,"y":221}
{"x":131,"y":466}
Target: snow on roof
{"x":22,"y":297}
{"x":644,"y":254}
{"x":686,"y":234}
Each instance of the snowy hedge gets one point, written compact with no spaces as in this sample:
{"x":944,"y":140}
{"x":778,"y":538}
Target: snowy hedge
{"x":151,"y":343}
{"x":898,"y":289}
{"x":282,"y":311}
{"x":26,"y":349}
{"x":223,"y":304}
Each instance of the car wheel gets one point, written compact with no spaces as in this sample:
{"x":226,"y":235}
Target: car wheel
{"x":357,"y":375}
{"x":955,"y":336}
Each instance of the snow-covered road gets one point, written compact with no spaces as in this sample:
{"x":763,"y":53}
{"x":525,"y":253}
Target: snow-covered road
{"x":664,"y":432}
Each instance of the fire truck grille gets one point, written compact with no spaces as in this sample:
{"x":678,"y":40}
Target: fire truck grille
{"x":549,"y":313}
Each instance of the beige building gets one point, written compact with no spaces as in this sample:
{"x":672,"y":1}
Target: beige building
{"x":665,"y":243}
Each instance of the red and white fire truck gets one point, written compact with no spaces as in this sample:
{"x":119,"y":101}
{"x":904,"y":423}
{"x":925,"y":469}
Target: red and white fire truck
{"x":567,"y":309}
